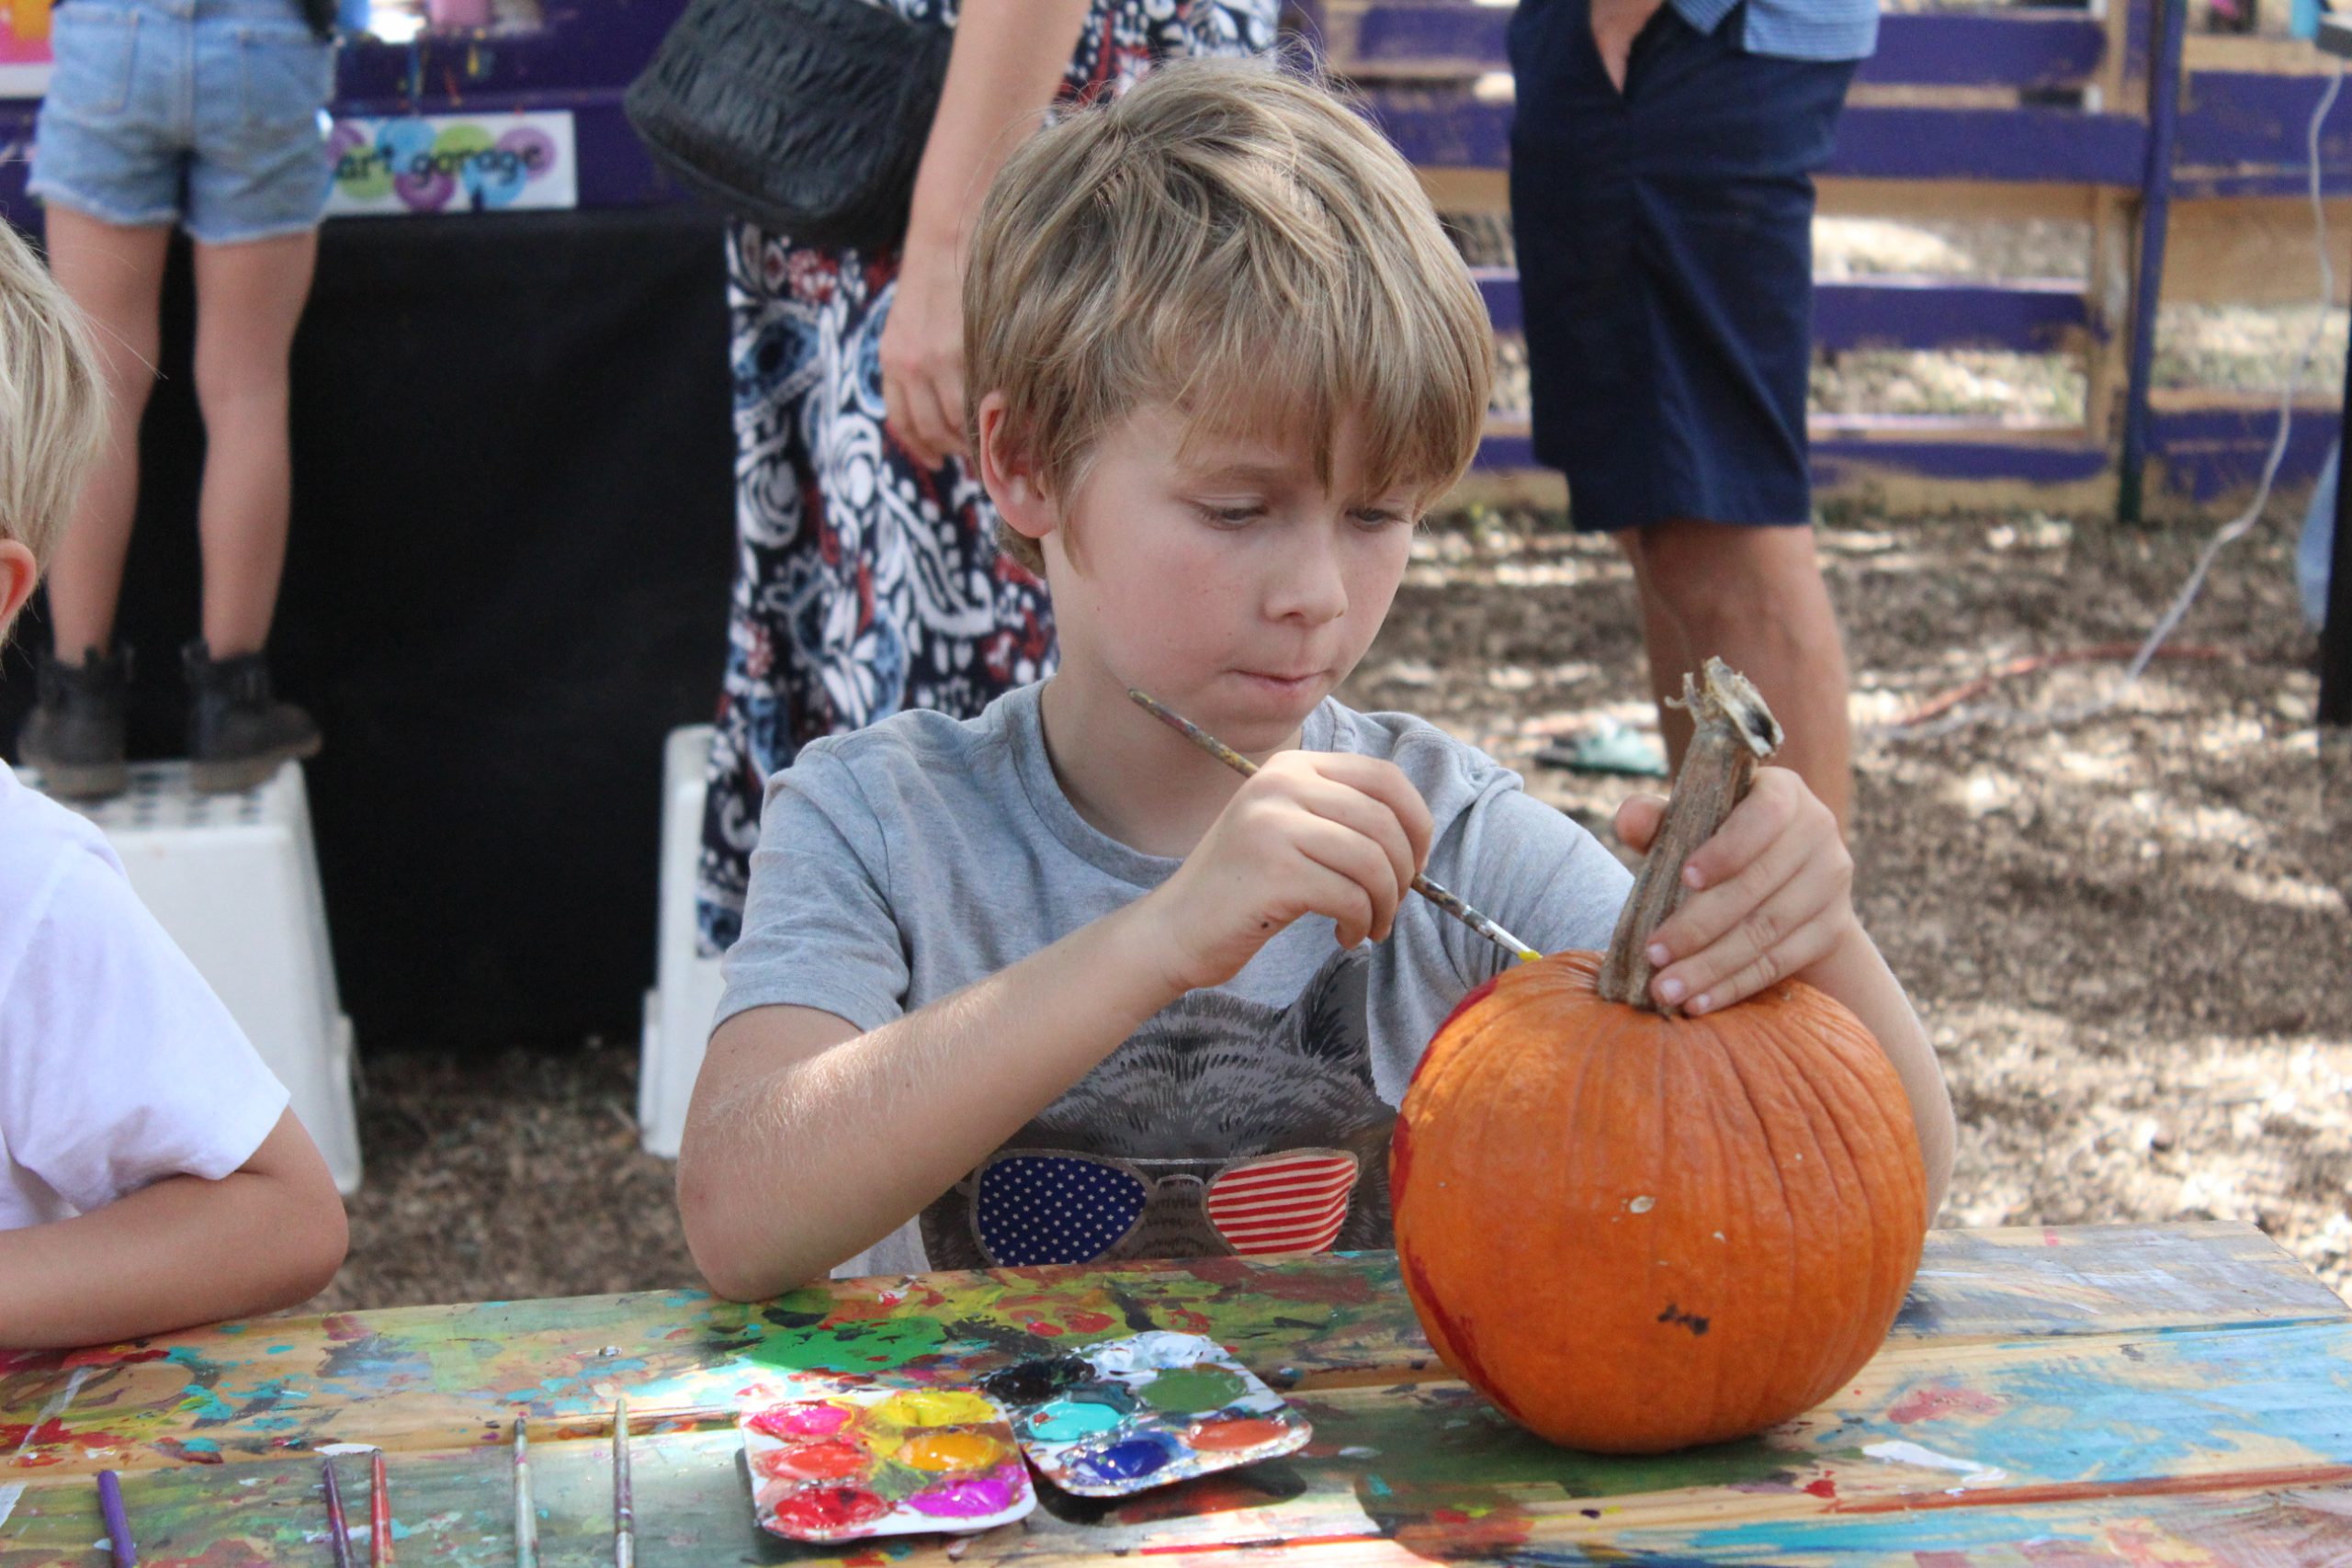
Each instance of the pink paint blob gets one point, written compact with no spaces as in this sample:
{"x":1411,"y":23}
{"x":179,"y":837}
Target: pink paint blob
{"x":801,"y":1422}
{"x":971,"y":1496}
{"x":1938,"y":1401}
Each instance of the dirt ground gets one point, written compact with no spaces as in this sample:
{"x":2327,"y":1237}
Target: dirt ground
{"x":2129,"y":934}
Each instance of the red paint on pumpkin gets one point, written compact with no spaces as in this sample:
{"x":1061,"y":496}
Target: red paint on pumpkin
{"x":1458,"y":1340}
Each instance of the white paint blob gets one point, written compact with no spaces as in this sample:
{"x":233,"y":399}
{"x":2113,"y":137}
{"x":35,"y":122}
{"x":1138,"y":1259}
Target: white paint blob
{"x":1900,"y":1453}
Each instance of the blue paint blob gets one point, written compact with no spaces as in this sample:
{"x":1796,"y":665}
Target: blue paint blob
{"x":1129,"y":1461}
{"x":1066,"y":1420}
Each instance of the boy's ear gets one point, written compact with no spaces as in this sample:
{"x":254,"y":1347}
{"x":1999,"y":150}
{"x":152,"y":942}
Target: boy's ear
{"x":19,"y":574}
{"x":1010,"y":476}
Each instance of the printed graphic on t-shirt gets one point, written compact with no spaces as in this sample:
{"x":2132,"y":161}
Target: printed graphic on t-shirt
{"x":1221,"y":1126}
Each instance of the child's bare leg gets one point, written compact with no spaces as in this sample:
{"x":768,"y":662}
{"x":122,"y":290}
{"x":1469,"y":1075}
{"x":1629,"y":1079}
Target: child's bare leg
{"x":1755,"y":597}
{"x":249,"y":297}
{"x":116,"y":275}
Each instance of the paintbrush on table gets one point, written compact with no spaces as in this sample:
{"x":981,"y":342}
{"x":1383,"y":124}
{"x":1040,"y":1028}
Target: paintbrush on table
{"x":1451,"y":903}
{"x":526,"y":1516}
{"x":379,"y":1517}
{"x":118,"y":1520}
{"x":338,"y":1529}
{"x":624,"y":1506}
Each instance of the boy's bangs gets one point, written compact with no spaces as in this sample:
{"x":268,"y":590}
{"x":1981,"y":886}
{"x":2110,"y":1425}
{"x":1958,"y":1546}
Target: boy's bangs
{"x":1297,"y":381}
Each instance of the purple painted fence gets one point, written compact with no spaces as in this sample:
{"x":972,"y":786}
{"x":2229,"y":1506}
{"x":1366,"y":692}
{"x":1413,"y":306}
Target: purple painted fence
{"x":2018,"y":47}
{"x":1921,"y":314}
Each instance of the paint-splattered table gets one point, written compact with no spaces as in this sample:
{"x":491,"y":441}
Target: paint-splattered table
{"x":2101,"y":1397}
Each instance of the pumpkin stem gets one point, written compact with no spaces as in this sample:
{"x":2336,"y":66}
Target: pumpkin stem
{"x":1735,"y":731}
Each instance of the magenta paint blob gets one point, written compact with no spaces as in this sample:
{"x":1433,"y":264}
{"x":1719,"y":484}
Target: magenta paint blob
{"x":970,"y":1497}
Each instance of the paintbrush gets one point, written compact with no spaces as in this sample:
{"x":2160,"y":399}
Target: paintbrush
{"x":379,"y":1517}
{"x":336,"y":1526}
{"x":1451,"y":903}
{"x":527,"y":1516}
{"x":111,"y":1508}
{"x":624,"y":1509}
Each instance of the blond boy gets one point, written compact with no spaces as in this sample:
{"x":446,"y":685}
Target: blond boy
{"x":1051,"y":985}
{"x":151,"y":1174}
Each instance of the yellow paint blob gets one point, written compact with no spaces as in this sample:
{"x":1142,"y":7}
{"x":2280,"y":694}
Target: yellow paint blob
{"x":934,"y":1407}
{"x":951,"y":1450}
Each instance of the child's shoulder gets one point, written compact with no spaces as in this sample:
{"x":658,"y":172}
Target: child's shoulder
{"x":915,"y":737}
{"x":913,"y":757}
{"x":43,"y":845}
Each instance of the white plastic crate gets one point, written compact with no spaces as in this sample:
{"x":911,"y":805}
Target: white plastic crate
{"x":235,"y":880}
{"x":685,"y":996}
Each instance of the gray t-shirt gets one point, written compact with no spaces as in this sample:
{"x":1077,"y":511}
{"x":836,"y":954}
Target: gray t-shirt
{"x":912,"y":858}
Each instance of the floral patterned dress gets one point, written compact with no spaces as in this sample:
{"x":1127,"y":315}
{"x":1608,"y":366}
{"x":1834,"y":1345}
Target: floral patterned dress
{"x":865,"y":584}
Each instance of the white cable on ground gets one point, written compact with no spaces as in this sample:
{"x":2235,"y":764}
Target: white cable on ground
{"x":2230,"y":531}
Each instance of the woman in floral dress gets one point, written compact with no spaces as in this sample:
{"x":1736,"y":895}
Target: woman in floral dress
{"x":867,"y":577}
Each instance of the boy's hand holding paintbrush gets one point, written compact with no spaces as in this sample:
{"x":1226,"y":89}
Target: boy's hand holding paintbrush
{"x":1310,"y":833}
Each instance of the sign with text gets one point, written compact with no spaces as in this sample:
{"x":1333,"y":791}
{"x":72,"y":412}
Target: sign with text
{"x":467,"y":163}
{"x":24,"y":48}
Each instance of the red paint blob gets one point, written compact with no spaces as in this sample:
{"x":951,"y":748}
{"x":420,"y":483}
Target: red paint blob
{"x":817,"y":1462}
{"x":1824,"y":1487}
{"x":827,"y":1510}
{"x":1223,"y":1436}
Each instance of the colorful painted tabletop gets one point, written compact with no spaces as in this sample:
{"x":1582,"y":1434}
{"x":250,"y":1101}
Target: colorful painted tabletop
{"x":2099,"y":1397}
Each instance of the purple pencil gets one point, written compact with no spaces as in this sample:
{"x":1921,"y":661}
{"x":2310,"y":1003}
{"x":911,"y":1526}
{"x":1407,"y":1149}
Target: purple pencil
{"x":111,"y":1508}
{"x":336,"y":1528}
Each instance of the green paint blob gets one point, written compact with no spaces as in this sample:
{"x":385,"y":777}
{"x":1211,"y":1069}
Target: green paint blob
{"x":1192,"y":1390}
{"x":1066,"y":1420}
{"x":852,"y":1347}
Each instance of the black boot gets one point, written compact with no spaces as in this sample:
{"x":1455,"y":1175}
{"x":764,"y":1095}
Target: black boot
{"x":75,"y":733}
{"x":236,"y":735}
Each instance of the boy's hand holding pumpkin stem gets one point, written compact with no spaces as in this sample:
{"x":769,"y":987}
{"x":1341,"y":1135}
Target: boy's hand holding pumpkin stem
{"x":1766,"y":887}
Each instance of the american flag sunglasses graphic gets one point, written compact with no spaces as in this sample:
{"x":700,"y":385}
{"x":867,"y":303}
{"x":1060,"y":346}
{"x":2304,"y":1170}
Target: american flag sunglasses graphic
{"x":1058,"y":1206}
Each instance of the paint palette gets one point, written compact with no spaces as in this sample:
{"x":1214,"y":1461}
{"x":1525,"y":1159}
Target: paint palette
{"x":1146,"y":1411}
{"x":867,"y":1462}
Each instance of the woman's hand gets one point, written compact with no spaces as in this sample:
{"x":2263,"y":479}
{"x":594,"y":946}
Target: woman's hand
{"x":923,"y":351}
{"x":1770,"y":896}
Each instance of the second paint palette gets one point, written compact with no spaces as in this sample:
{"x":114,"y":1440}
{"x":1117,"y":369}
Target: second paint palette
{"x":1142,"y":1412}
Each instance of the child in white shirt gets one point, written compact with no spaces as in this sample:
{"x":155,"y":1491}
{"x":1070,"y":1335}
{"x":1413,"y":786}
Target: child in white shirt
{"x":151,"y":1174}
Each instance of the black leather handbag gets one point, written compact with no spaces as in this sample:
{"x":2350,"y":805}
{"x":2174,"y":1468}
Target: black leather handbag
{"x":805,"y":116}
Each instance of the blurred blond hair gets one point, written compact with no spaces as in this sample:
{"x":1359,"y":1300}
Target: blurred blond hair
{"x":52,"y":401}
{"x":1231,"y":240}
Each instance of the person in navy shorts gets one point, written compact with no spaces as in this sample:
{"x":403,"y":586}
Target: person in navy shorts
{"x":1662,"y":198}
{"x":210,"y":116}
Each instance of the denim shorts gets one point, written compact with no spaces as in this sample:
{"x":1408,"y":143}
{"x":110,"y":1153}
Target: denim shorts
{"x":1665,"y":235}
{"x":210,"y":114}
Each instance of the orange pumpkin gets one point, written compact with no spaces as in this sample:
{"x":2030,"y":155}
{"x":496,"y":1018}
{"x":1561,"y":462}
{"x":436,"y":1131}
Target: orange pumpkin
{"x":1634,"y":1232}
